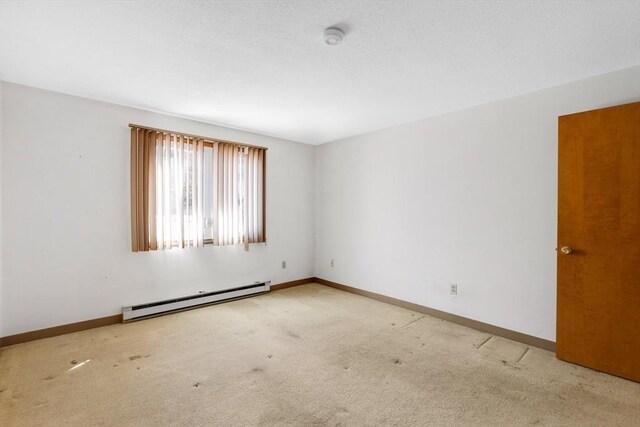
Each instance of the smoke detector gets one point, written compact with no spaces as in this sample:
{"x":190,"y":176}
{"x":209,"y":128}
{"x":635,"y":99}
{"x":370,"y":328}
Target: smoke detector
{"x":333,"y":36}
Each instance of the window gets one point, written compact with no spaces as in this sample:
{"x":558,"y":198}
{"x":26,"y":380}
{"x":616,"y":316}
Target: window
{"x":187,"y":191}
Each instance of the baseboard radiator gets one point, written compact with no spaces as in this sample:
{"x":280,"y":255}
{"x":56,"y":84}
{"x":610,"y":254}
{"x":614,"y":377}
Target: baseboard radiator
{"x":152,"y":309}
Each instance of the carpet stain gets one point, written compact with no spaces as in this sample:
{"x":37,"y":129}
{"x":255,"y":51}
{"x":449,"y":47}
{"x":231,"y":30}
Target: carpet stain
{"x":49,"y":378}
{"x":137,"y":356}
{"x":583,"y":385}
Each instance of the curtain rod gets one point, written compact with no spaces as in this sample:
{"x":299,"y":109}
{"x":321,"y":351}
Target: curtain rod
{"x":205,"y":138}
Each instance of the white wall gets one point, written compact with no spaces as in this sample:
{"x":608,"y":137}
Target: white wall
{"x":66,"y":216}
{"x":468,"y":198}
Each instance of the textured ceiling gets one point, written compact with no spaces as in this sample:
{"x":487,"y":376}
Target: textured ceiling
{"x":263,"y":66}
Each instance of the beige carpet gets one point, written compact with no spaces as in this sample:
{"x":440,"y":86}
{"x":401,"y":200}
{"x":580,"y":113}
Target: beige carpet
{"x":304,"y":356}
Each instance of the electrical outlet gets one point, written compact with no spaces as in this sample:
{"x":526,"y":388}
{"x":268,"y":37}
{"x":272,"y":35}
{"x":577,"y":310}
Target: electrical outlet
{"x":284,"y":264}
{"x":453,"y":287}
{"x":333,"y":263}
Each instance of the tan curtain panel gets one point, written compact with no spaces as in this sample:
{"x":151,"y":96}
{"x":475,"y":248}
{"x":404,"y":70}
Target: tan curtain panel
{"x":142,"y":160}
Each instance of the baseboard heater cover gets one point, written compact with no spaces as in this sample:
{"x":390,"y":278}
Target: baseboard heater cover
{"x":142,"y":311}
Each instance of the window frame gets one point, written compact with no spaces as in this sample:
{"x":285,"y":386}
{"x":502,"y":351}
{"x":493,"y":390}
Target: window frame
{"x":141,"y":221}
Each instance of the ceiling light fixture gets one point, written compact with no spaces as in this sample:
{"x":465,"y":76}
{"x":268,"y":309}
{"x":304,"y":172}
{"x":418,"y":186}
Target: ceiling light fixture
{"x":333,"y":36}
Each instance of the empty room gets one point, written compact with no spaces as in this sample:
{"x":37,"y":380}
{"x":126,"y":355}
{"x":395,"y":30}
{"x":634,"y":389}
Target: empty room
{"x":320,"y":213}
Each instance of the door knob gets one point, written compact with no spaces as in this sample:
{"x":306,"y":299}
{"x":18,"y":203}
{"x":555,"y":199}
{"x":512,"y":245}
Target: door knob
{"x":566,"y":250}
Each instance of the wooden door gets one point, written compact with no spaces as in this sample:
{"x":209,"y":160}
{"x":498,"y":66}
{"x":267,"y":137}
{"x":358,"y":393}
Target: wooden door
{"x":598,"y":320}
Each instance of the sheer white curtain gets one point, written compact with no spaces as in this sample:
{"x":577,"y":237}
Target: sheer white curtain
{"x":253,"y":197}
{"x":238,"y":208}
{"x":179,"y":174}
{"x":227,"y":192}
